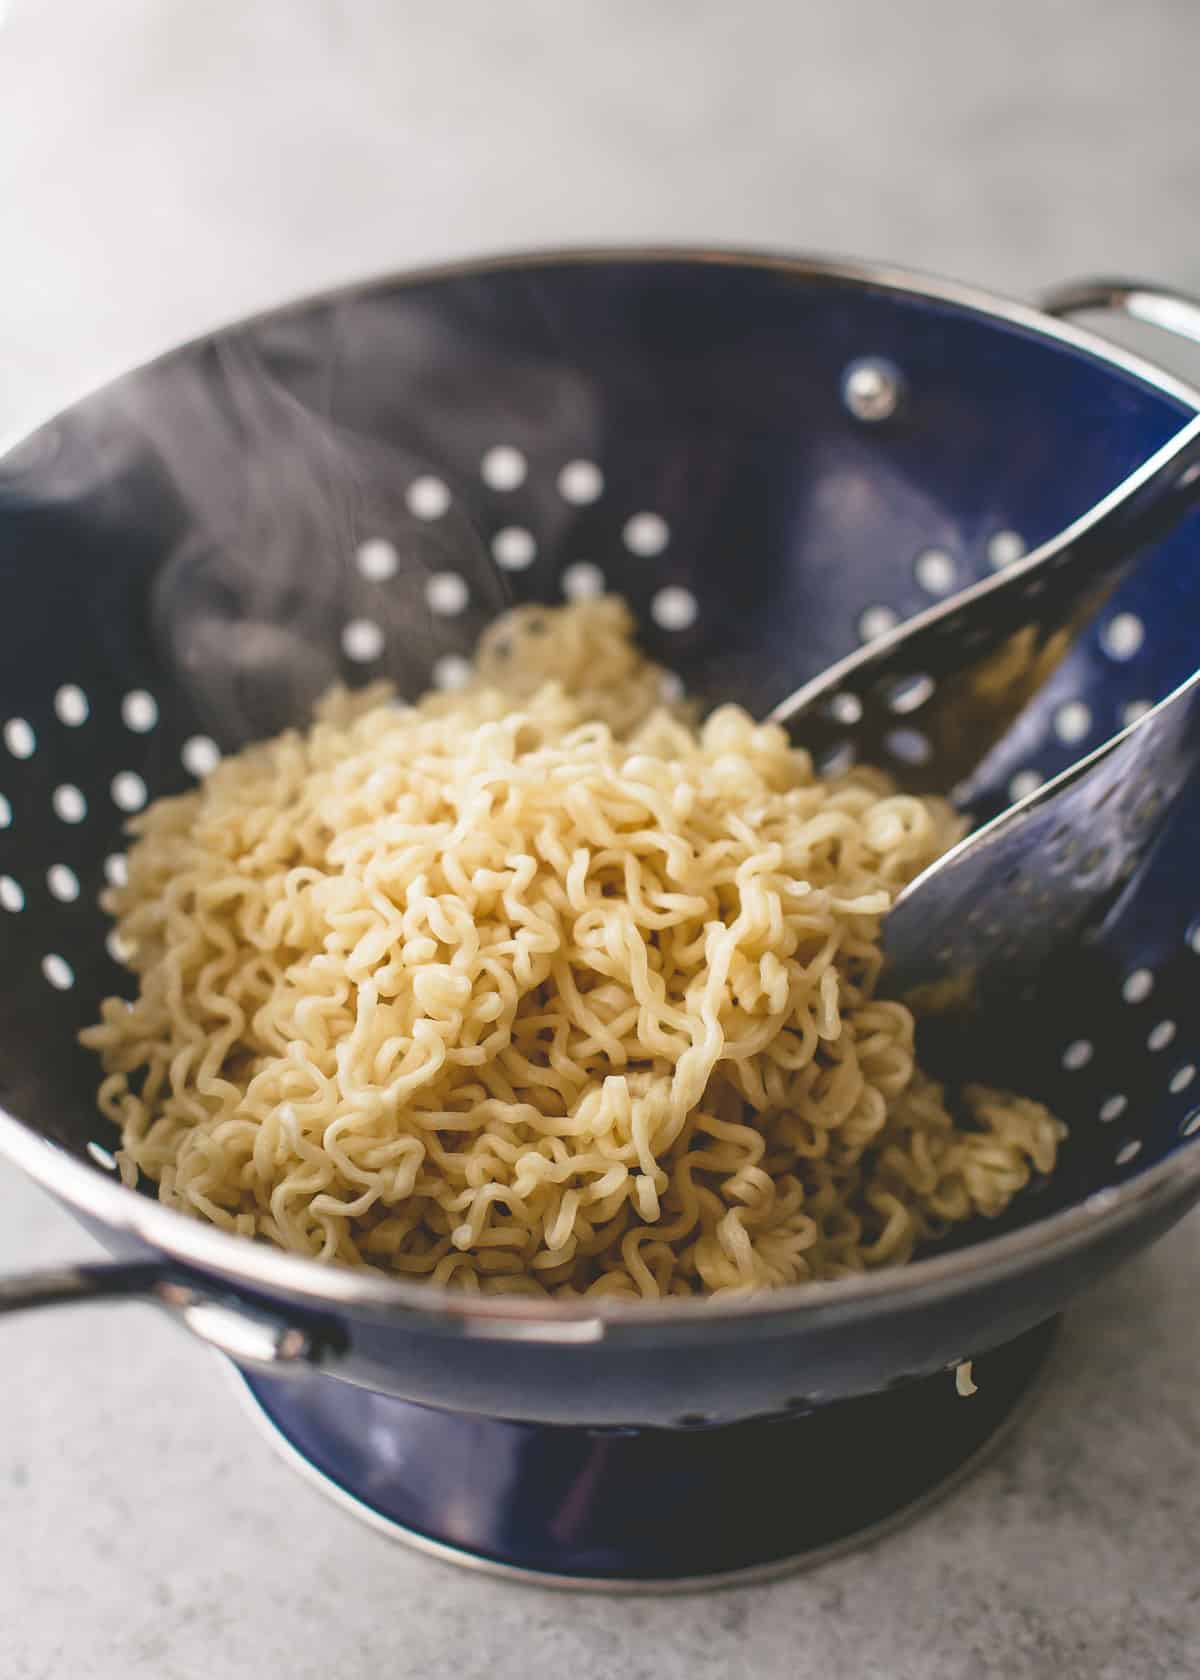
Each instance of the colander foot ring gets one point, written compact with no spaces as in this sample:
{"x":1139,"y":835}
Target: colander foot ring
{"x":649,"y":1510}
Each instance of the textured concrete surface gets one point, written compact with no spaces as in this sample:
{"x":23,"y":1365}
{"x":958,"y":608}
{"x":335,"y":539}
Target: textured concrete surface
{"x":147,"y":1533}
{"x":164,"y":166}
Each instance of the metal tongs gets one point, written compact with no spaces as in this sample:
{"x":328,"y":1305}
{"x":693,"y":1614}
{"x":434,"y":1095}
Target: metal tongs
{"x":934,"y":696}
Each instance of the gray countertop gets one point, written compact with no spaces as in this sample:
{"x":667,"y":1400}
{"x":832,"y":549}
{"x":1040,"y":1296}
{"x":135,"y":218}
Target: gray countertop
{"x":149,"y":1532}
{"x":166,"y":166}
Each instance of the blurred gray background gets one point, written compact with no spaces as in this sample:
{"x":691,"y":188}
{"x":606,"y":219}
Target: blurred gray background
{"x":169,"y":164}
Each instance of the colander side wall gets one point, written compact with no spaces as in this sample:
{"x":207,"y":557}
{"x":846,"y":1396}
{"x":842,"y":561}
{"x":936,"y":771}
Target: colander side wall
{"x":754,"y":521}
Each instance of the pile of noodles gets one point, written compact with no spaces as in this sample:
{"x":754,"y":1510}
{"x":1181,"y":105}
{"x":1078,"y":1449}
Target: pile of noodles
{"x":538,"y":986}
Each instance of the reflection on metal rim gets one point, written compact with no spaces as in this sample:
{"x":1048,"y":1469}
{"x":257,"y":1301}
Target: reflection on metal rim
{"x":258,"y":1267}
{"x":264,"y":1269}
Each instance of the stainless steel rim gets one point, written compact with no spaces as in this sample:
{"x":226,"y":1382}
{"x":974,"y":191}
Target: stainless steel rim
{"x":265,"y":1269}
{"x":670,"y":1586}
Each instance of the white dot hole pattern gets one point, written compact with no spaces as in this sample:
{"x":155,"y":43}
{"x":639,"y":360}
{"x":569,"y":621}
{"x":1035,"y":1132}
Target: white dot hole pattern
{"x":12,"y":896}
{"x":199,"y":755}
{"x":1023,"y":784}
{"x":451,"y":671}
{"x":139,"y":711}
{"x":118,"y":948}
{"x":1072,"y":722}
{"x":1004,"y":547}
{"x":63,"y":883}
{"x":846,"y":709}
{"x":935,"y":571}
{"x":908,"y":746}
{"x":128,"y":790}
{"x":19,"y":738}
{"x":1191,"y":1124}
{"x":116,"y":869}
{"x":1161,"y":1036}
{"x":69,"y":804}
{"x":503,"y":468}
{"x":427,"y":497}
{"x":670,"y":687}
{"x":674,"y":608}
{"x":875,"y":622}
{"x":1123,"y":635}
{"x":514,"y":548}
{"x":1182,"y":1078}
{"x":5,"y":813}
{"x":1077,"y":1055}
{"x":838,"y":759}
{"x":646,"y":534}
{"x":1193,"y":936}
{"x":362,"y":640}
{"x":1129,"y":1152}
{"x":1134,"y":712}
{"x":911,"y":693}
{"x":580,"y":483}
{"x":582,"y":581}
{"x":71,"y":705}
{"x":58,"y":972}
{"x":1138,"y":985}
{"x":376,"y":559}
{"x":1113,"y":1107}
{"x":446,"y":593}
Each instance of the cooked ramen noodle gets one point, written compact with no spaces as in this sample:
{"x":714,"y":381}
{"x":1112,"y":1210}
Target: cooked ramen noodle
{"x":543,"y":986}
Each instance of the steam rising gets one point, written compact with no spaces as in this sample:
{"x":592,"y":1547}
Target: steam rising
{"x":250,"y":606}
{"x":241,"y":474}
{"x":254,"y":464}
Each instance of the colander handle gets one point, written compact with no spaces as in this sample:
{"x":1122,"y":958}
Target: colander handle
{"x":1140,"y":300}
{"x":242,"y":1330}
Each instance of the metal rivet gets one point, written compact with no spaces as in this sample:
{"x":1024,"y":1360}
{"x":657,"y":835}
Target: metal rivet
{"x":871,"y":389}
